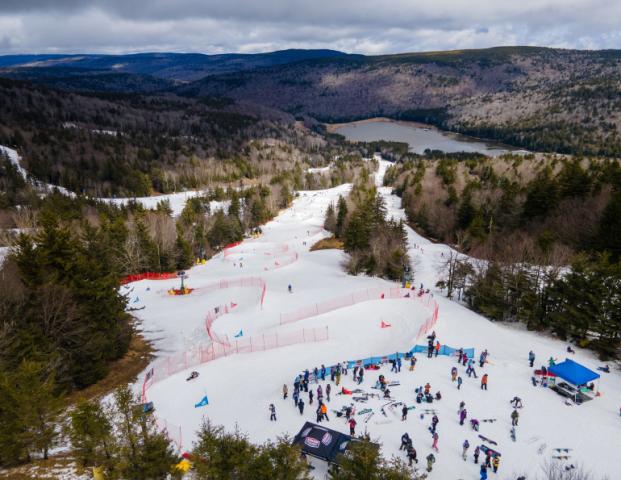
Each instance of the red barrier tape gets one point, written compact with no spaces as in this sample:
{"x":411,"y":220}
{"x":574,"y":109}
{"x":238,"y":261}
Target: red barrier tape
{"x":148,"y":276}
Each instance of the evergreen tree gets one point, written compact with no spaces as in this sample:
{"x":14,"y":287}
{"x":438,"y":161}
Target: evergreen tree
{"x":541,"y":197}
{"x":91,"y":434}
{"x":363,"y":461}
{"x":29,"y":411}
{"x":341,"y":217}
{"x":144,"y":453}
{"x":183,"y":258}
{"x":609,"y":234}
{"x":330,"y":219}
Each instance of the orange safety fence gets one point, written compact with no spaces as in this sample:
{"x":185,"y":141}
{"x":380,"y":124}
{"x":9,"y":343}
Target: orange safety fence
{"x":147,"y":276}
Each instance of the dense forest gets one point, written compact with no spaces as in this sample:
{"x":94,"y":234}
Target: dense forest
{"x":113,"y":144}
{"x":545,"y":228}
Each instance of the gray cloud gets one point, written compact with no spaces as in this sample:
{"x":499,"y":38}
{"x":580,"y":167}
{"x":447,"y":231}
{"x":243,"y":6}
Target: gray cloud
{"x":362,"y":26}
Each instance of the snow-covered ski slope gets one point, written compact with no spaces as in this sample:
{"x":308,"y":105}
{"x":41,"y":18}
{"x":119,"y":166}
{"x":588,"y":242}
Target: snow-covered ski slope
{"x":176,"y":201}
{"x":241,"y":386}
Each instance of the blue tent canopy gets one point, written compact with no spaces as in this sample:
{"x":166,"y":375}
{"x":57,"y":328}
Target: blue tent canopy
{"x":573,"y":372}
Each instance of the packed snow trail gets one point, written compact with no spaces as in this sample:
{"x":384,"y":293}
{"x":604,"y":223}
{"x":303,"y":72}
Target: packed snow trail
{"x":241,"y":387}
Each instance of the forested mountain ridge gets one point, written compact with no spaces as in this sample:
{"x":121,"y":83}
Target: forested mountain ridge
{"x":543,"y":99}
{"x":170,"y":66}
{"x":566,"y":101}
{"x":107,"y":144}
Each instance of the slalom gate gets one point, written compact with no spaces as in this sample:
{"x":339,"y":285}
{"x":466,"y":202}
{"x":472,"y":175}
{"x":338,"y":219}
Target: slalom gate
{"x":166,"y":367}
{"x":147,"y":276}
{"x":364,"y":296}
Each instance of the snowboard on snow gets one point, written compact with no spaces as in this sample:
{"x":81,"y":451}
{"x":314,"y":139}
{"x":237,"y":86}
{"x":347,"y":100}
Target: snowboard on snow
{"x":488,"y":440}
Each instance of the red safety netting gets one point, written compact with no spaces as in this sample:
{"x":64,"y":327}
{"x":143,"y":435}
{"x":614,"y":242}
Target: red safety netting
{"x":430,"y":323}
{"x":234,"y":283}
{"x":165,"y":367}
{"x":354,"y":298}
{"x":251,"y":248}
{"x":283,"y":261}
{"x":148,"y":276}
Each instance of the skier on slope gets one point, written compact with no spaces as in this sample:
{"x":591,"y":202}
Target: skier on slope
{"x":285,"y":391}
{"x":453,"y":374}
{"x":484,"y":382}
{"x":352,"y":426}
{"x":405,"y":441}
{"x":404,"y":413}
{"x":462,"y":416}
{"x":411,"y":452}
{"x":328,"y":390}
{"x":477,"y":452}
{"x":412,"y":363}
{"x":301,"y":406}
{"x":495,"y":463}
{"x":464,"y":452}
{"x":483,"y":358}
{"x":324,"y":411}
{"x":272,"y":413}
{"x":431,"y":459}
{"x":531,"y":358}
{"x":434,"y":445}
{"x":434,"y":423}
{"x":514,"y":418}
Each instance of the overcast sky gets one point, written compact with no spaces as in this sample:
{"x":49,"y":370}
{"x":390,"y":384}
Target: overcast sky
{"x":356,"y":26}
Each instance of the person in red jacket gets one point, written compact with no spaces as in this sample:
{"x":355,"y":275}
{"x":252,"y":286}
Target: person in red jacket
{"x":352,"y":427}
{"x":484,"y":382}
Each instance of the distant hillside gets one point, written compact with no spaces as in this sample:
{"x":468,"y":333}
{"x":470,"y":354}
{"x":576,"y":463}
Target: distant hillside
{"x":170,"y":66}
{"x":543,"y":99}
{"x":539,"y":98}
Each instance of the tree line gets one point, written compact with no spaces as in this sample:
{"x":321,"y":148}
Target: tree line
{"x":376,"y":245}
